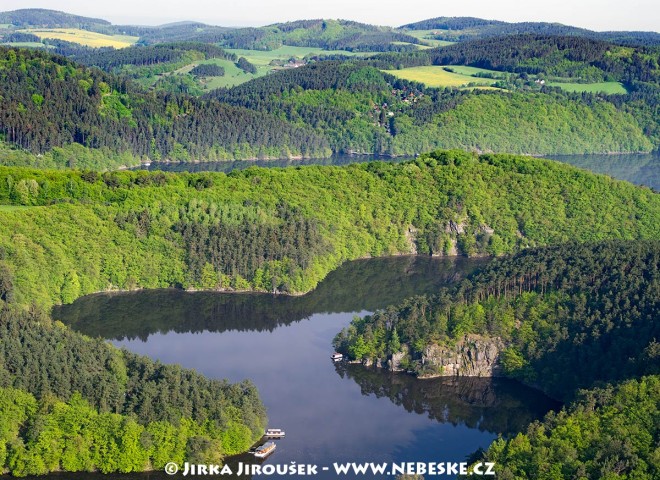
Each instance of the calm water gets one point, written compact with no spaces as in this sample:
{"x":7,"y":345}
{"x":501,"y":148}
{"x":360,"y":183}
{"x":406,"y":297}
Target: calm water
{"x":339,"y":159}
{"x":640,"y":169}
{"x":331,"y":412}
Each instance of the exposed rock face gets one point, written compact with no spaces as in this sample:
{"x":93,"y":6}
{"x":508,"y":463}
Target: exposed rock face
{"x":411,"y":237}
{"x":394,"y":363}
{"x":456,"y":228}
{"x":472,"y":356}
{"x":486,"y":229}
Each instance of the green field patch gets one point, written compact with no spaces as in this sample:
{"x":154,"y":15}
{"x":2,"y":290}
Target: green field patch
{"x":437,"y":76}
{"x":233,"y":75}
{"x":610,"y":88}
{"x":264,"y":57}
{"x":417,"y":46}
{"x":427,"y":36}
{"x":27,"y":45}
{"x":259,"y":58}
{"x":475,"y":71}
{"x":83,"y":37}
{"x":14,"y":208}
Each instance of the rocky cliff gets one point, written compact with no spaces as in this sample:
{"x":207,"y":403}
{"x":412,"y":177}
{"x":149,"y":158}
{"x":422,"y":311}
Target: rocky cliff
{"x":471,"y":356}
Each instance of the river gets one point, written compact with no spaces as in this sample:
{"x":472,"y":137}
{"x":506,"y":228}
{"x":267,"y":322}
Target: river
{"x":640,"y":169}
{"x":332,"y":412}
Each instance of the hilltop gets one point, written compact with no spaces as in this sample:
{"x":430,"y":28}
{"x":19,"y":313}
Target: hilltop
{"x":40,"y":17}
{"x":458,"y":29}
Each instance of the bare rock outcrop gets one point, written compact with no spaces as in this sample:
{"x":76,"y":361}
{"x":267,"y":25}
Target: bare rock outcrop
{"x":472,"y":356}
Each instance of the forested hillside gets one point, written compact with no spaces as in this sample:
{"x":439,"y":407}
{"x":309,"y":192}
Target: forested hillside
{"x":556,"y":56}
{"x":558,"y":310}
{"x":328,"y":34}
{"x":459,"y":29}
{"x":569,"y":305}
{"x":41,"y":17}
{"x":609,"y":432}
{"x":90,"y":407}
{"x":55,"y":103}
{"x":285,"y":229}
{"x":565,"y":318}
{"x":361,"y":109}
{"x":56,"y":106}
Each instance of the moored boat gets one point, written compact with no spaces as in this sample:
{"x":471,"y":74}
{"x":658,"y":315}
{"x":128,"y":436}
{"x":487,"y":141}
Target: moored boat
{"x":336,"y":357}
{"x":264,"y":450}
{"x":274,"y":432}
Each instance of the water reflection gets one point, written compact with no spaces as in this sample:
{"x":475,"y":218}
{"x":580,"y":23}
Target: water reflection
{"x":356,"y":286}
{"x":494,"y":405}
{"x":228,"y":166}
{"x":640,"y":169}
{"x":331,"y":413}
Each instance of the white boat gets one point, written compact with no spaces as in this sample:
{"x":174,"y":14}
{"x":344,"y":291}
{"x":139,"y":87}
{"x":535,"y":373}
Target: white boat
{"x":275,"y":433}
{"x":336,"y":357}
{"x":264,"y":450}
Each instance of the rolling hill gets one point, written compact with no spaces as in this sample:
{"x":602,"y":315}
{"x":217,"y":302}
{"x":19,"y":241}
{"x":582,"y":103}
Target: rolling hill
{"x":40,"y":17}
{"x":458,"y":29}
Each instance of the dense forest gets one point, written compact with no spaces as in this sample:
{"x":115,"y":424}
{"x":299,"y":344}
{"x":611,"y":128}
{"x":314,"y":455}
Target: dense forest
{"x":610,"y":432}
{"x":90,"y":407}
{"x":55,"y":103}
{"x":208,"y":70}
{"x":558,"y":310}
{"x":574,"y":57}
{"x":361,"y":109}
{"x":145,"y":56}
{"x":135,"y":229}
{"x":41,"y":17}
{"x":570,"y":317}
{"x":327,"y":34}
{"x":568,"y":306}
{"x":328,"y":106}
{"x":459,"y":29}
{"x":562,"y":56}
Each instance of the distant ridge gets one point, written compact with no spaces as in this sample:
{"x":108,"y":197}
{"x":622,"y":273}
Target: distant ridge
{"x":324,"y":33}
{"x":41,"y":17}
{"x":457,"y":29}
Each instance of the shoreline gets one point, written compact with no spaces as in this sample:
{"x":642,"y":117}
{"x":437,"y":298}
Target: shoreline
{"x":230,"y":291}
{"x":379,"y":156}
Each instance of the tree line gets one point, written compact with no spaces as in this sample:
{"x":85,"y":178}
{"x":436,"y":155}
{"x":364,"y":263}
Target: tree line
{"x":560,"y":311}
{"x":91,"y":407}
{"x":55,"y":103}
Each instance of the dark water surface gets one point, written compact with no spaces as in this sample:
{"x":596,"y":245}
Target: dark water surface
{"x":640,"y":169}
{"x":228,"y":166}
{"x":331,"y":412}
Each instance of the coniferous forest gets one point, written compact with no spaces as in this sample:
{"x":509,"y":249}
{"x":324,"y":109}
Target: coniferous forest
{"x":569,"y":299}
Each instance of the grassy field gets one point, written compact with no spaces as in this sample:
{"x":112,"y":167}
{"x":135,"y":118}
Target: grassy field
{"x":83,"y":37}
{"x":26,"y":45}
{"x":260,"y":59}
{"x":13,"y":208}
{"x":263,"y":58}
{"x":471,"y":71}
{"x":426,"y":36}
{"x":420,"y":47}
{"x":610,"y":88}
{"x":233,"y":75}
{"x":436,"y":76}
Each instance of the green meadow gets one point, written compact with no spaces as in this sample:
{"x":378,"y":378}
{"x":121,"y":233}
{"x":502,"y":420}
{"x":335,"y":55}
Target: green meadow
{"x":259,"y":58}
{"x":427,"y":36}
{"x":610,"y":88}
{"x":437,"y":76}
